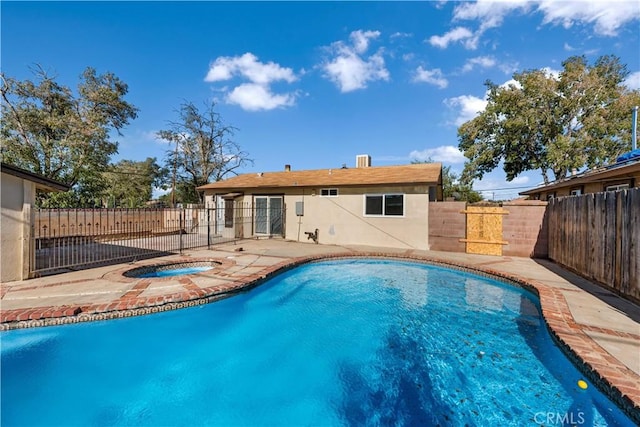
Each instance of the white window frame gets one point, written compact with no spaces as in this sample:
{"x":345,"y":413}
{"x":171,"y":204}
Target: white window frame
{"x":617,"y":187}
{"x":329,"y":191}
{"x":384,"y":196}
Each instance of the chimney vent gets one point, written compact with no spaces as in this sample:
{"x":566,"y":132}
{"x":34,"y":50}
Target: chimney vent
{"x":287,"y":168}
{"x":363,"y":161}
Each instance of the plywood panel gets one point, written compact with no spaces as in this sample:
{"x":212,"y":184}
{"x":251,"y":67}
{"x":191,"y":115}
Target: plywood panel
{"x":484,"y":230}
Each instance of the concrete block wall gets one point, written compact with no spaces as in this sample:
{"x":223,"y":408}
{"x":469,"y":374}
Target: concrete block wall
{"x":525,"y":228}
{"x":447,"y":226}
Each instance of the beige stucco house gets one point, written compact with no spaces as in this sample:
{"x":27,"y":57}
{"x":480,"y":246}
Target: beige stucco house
{"x":618,"y":176}
{"x":18,"y":194}
{"x":382,"y":206}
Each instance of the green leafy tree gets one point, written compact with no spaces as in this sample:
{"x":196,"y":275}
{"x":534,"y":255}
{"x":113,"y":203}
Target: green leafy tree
{"x":453,"y":187}
{"x":48,"y":129}
{"x":552,"y":123}
{"x":203,"y":150}
{"x":129,"y":184}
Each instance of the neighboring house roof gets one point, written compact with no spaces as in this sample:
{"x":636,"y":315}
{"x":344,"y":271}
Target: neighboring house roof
{"x":42,"y":182}
{"x":616,"y":171}
{"x":423,"y":173}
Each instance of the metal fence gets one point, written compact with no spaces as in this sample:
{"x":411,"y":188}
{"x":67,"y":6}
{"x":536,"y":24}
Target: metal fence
{"x":70,"y":239}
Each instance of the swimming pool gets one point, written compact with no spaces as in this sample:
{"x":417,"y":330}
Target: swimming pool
{"x":353,"y":342}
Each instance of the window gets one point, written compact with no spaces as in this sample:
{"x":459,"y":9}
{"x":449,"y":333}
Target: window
{"x":617,"y":187}
{"x":329,"y":192}
{"x":384,"y":205}
{"x":576,"y":192}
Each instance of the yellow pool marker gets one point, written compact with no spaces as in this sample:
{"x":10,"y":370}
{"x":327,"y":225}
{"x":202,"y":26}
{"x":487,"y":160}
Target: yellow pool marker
{"x":583,"y":384}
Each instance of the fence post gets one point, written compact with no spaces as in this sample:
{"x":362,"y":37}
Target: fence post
{"x":208,"y":228}
{"x":180,"y":229}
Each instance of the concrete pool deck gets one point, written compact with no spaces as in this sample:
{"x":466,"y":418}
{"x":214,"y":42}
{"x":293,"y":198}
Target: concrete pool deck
{"x":599,"y":330}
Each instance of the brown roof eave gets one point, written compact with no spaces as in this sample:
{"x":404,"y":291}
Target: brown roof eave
{"x":592,"y":177}
{"x":42,"y":182}
{"x":326,"y":185}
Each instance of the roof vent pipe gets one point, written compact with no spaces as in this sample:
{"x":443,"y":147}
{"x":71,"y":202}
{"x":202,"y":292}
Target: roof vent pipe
{"x":634,"y":128}
{"x":287,"y":168}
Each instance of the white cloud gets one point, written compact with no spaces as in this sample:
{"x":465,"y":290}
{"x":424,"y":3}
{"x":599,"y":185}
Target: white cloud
{"x":480,"y":61}
{"x":519,"y":180}
{"x":256,"y":97}
{"x":509,"y":67}
{"x":360,"y":39}
{"x":248,"y":66}
{"x":568,"y":47}
{"x":445,"y":154}
{"x":491,"y":14}
{"x":433,"y":77}
{"x":457,"y":34}
{"x":550,"y":72}
{"x":408,"y":56}
{"x":468,"y":107}
{"x":257,"y":94}
{"x":606,"y":16}
{"x":399,"y":35}
{"x":633,"y":81}
{"x":511,"y":82}
{"x":348,"y":69}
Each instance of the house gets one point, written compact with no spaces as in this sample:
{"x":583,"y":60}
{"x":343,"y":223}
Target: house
{"x":19,"y":189}
{"x":382,"y":206}
{"x":625,"y":173}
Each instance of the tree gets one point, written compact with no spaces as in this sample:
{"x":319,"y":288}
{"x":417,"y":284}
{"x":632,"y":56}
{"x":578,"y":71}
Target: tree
{"x":48,"y":129}
{"x":203,"y":149}
{"x":453,"y":187}
{"x":130,"y":184}
{"x":554,"y":123}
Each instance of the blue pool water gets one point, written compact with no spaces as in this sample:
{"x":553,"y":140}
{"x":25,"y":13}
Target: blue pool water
{"x":350,"y":342}
{"x":176,"y":271}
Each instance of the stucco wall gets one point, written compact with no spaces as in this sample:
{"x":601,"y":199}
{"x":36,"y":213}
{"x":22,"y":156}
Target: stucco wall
{"x":14,"y":227}
{"x":341,"y":220}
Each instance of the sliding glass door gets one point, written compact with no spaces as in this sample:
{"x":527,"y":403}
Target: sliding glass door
{"x":268,"y":215}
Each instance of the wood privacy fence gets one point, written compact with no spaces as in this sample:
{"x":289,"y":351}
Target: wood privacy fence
{"x":598,"y":236}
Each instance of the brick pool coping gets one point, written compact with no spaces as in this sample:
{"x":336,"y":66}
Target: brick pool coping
{"x":619,"y":382}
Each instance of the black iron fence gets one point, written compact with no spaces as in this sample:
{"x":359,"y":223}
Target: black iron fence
{"x":69,"y":239}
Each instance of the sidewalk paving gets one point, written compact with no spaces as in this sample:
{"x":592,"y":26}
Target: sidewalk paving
{"x":599,"y":329}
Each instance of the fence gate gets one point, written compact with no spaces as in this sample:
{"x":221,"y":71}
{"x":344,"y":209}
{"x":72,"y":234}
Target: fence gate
{"x":484,"y":230}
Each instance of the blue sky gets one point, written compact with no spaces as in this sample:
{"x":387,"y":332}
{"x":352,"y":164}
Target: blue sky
{"x":313,"y":84}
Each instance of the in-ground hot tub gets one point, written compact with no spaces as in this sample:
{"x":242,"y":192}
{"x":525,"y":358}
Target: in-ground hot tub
{"x":170,"y":270}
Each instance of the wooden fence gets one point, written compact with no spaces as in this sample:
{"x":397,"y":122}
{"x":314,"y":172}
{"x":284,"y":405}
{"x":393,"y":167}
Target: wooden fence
{"x":598,"y":236}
